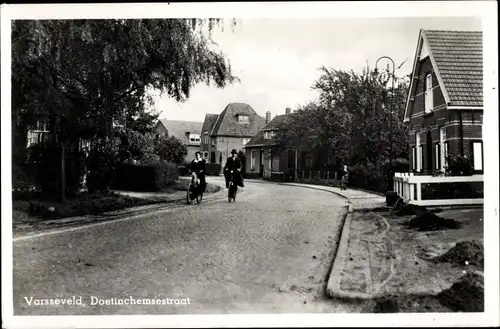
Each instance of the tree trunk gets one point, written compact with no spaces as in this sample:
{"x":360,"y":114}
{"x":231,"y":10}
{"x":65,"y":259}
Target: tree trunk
{"x":63,"y":174}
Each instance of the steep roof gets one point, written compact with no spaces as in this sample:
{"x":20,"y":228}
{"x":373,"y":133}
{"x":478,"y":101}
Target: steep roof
{"x":274,"y":124}
{"x":227,"y":124}
{"x":178,"y":129}
{"x":209,"y":122}
{"x":457,"y":58}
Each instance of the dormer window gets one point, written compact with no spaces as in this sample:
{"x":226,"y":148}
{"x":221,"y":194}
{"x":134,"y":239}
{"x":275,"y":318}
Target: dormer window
{"x":269,"y":134}
{"x":243,"y":119}
{"x":194,"y":138}
{"x":429,"y":96}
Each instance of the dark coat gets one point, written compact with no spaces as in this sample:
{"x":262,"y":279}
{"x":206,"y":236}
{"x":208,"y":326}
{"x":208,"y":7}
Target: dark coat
{"x":233,"y":165}
{"x":197,"y":166}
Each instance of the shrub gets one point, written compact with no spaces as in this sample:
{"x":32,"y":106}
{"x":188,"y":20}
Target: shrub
{"x":459,"y":165}
{"x":367,"y":177}
{"x":44,"y":163}
{"x":213,"y":169}
{"x":101,"y":166}
{"x":144,"y":177}
{"x":458,"y":190}
{"x":171,"y":149}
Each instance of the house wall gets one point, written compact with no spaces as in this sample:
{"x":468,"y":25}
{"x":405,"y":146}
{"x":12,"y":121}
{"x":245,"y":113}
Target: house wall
{"x":461,"y":127}
{"x":224,"y":145}
{"x":252,"y":172}
{"x":161,"y":130}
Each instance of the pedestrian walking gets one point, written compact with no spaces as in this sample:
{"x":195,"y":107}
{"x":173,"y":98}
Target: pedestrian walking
{"x":345,"y":178}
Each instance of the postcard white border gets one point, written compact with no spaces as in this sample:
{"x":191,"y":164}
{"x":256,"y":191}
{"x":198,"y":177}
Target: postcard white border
{"x":487,"y":10}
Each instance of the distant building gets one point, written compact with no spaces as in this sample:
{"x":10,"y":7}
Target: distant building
{"x":232,"y":129}
{"x":187,"y":132}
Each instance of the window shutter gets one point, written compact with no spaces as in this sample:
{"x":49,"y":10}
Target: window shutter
{"x":414,"y":158}
{"x":428,"y":93}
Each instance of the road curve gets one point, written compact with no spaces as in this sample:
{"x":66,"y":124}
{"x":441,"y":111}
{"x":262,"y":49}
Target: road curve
{"x":269,"y":252}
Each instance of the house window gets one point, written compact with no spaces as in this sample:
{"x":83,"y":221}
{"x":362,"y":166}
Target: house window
{"x":477,"y":154}
{"x":194,"y":138}
{"x":429,"y":96}
{"x":270,"y":161}
{"x":437,"y":148}
{"x":205,"y":155}
{"x":268,"y":134}
{"x":419,"y":152}
{"x":38,"y":135}
{"x":252,"y":160}
{"x":445,"y":154}
{"x":243,"y":119}
{"x":443,"y":147}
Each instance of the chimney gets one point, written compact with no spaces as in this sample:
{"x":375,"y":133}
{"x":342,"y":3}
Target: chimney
{"x":288,"y":111}
{"x":268,"y":117}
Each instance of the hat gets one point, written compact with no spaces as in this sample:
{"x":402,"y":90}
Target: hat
{"x":234,"y":151}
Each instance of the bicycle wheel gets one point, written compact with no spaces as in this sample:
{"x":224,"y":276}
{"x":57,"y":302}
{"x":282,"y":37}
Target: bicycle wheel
{"x":229,"y":192}
{"x":199,"y":197}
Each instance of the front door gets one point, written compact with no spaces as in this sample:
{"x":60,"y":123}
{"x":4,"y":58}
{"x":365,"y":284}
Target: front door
{"x":429,"y":152}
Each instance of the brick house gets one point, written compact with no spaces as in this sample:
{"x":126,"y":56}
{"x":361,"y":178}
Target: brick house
{"x":444,"y":110}
{"x":186,"y":131}
{"x":232,"y":129}
{"x":445,"y":104}
{"x":261,"y":162}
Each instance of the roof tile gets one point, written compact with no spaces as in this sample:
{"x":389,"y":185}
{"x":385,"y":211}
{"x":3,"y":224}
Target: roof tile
{"x":459,"y":59}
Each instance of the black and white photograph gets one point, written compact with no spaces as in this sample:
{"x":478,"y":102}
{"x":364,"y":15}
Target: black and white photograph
{"x":250,"y":164}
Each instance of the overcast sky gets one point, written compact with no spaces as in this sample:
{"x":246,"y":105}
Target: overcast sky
{"x":277,"y":59}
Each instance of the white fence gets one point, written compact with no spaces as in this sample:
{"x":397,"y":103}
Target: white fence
{"x":409,"y":187}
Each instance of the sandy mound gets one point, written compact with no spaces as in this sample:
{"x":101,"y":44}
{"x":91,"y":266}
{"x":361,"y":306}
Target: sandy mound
{"x":465,"y":295}
{"x":431,"y":222}
{"x":463,"y":253}
{"x":403,"y":303}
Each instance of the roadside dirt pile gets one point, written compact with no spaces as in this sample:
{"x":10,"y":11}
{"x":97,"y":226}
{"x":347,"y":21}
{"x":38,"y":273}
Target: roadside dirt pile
{"x":463,"y":253}
{"x":431,"y":222}
{"x":405,"y":303}
{"x":465,"y":295}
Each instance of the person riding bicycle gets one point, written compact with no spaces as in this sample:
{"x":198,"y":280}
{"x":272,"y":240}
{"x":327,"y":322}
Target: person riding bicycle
{"x":198,"y":166}
{"x":233,"y":167}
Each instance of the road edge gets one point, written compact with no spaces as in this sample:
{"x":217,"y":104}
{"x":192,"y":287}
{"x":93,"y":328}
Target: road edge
{"x":333,"y":289}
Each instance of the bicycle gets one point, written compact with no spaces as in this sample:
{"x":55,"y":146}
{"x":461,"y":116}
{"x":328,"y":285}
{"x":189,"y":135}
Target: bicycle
{"x":194,"y":189}
{"x":233,"y":188}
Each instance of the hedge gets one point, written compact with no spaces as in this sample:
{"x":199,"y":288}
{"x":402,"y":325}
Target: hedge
{"x":142,"y":178}
{"x":213,"y":169}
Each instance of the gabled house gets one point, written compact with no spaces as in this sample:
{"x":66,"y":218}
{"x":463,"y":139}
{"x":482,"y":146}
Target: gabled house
{"x":259,"y":159}
{"x":207,"y":146}
{"x":187,"y":132}
{"x":444,"y":108}
{"x":261,"y":162}
{"x":232,"y":129}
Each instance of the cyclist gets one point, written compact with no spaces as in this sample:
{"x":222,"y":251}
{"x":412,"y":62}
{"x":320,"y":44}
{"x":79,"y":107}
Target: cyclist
{"x":233,"y":167}
{"x":198,"y":166}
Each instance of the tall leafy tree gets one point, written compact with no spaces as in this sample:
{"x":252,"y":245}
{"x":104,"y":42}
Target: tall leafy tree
{"x":351,"y":117}
{"x":82,"y":76}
